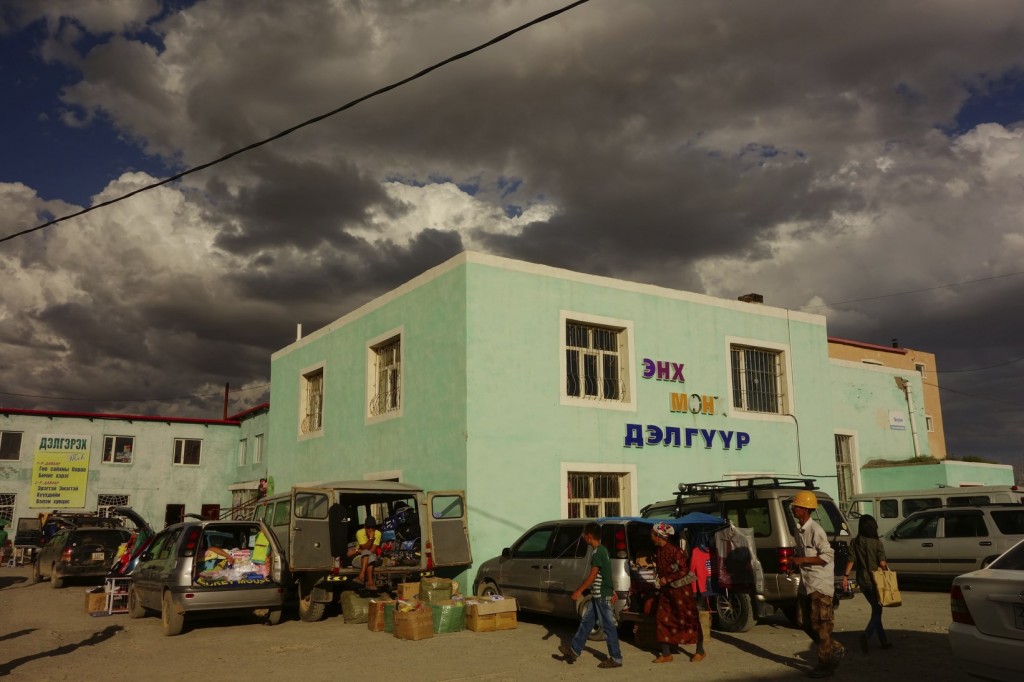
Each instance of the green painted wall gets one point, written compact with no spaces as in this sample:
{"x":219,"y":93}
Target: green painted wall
{"x":924,"y":476}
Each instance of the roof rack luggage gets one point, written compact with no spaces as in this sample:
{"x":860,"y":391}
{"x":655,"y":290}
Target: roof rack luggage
{"x":749,"y":484}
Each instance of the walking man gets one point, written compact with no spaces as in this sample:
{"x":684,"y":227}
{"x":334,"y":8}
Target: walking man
{"x":815,"y":559}
{"x":599,"y":582}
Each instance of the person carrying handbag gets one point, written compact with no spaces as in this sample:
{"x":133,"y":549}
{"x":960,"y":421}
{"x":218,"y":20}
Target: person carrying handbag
{"x":678,"y":621}
{"x":868,"y":555}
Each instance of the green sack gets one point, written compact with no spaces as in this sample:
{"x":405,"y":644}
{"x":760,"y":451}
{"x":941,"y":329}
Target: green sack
{"x":389,"y":617}
{"x":354,"y":608}
{"x":433,"y":590}
{"x":448,"y":616}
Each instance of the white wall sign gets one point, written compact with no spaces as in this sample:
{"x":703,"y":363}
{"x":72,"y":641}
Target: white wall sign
{"x":897,"y":420}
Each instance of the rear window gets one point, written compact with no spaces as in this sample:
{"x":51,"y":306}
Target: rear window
{"x":1012,"y":559}
{"x":1009,"y":522}
{"x":107,"y":538}
{"x":753,"y":514}
{"x":968,"y":500}
{"x":664,"y":511}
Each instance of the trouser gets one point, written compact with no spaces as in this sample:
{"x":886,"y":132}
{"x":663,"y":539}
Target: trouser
{"x":875,"y":623}
{"x":601,"y":610}
{"x":817,"y":619}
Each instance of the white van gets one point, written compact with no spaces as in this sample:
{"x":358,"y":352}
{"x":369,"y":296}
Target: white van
{"x":892,"y":506}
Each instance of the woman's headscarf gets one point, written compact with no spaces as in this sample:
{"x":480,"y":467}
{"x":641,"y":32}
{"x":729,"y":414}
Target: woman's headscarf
{"x":663,"y":530}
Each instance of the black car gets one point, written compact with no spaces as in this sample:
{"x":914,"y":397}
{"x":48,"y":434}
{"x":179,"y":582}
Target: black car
{"x":78,"y":552}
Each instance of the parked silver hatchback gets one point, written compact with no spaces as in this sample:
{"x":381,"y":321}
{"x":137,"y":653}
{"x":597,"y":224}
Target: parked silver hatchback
{"x":209,"y":566}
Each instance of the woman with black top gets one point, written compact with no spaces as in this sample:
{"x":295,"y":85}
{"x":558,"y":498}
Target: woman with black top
{"x":868,"y":555}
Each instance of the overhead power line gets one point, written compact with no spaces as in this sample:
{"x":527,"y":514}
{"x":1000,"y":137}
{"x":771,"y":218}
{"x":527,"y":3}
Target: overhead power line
{"x":315,"y":119}
{"x":135,"y":400}
{"x":978,"y":369}
{"x":913,"y":291}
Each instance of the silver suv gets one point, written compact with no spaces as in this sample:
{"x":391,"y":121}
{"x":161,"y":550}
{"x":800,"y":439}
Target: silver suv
{"x":209,"y":566}
{"x":761,"y":504}
{"x":950,"y":541}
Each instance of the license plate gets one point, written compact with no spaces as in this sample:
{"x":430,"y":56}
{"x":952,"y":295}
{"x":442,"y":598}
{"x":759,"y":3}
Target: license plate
{"x":97,"y":556}
{"x":1018,"y":612}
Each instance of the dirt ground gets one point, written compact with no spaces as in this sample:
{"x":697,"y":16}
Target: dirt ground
{"x":45,"y":635}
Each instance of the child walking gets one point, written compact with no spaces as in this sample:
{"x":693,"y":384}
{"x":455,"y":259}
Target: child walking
{"x":599,"y":582}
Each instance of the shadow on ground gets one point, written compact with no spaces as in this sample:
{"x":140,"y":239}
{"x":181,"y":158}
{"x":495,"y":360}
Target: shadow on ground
{"x":92,"y":640}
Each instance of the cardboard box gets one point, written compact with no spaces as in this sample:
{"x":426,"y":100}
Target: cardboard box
{"x":490,"y":616}
{"x":407,"y":591}
{"x":381,"y":616}
{"x":414,"y":625}
{"x":95,"y":601}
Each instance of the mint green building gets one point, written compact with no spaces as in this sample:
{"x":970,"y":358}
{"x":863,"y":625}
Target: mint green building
{"x":548,"y":394}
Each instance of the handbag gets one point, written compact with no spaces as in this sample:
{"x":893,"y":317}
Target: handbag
{"x":886,"y":587}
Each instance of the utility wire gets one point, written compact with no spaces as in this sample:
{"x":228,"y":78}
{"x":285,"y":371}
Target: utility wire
{"x":315,"y":119}
{"x":978,"y":369}
{"x":911,"y":291}
{"x":1015,"y":403}
{"x":136,"y":400}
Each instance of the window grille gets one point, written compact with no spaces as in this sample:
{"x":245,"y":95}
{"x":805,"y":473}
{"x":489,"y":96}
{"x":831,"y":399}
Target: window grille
{"x":105,"y":504}
{"x":313,"y":419}
{"x":592,"y":362}
{"x":844,"y":468}
{"x":7,"y":507}
{"x":593,"y":496}
{"x":388,"y":373}
{"x":756,"y":375}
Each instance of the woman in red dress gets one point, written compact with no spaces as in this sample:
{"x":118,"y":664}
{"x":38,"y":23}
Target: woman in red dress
{"x":678,"y":620}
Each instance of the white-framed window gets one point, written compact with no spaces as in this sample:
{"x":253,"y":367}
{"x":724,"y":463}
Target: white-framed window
{"x":757,"y":379}
{"x":596,"y":357}
{"x":10,"y":445}
{"x":118,"y":449}
{"x":921,"y":369}
{"x":844,"y":467}
{"x":7,"y":501}
{"x":243,"y":445}
{"x":591,"y":490}
{"x":106,"y":502}
{"x":384,"y":376}
{"x":929,"y":423}
{"x":311,"y":411}
{"x":257,"y":448}
{"x":188,"y":451}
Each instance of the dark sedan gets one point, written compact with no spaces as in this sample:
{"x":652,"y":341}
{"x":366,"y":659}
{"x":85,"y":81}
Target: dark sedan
{"x":78,"y":553}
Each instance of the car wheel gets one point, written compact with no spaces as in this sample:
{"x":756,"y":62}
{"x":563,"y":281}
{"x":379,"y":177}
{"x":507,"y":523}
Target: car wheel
{"x":173,"y":621}
{"x":310,"y":611}
{"x":135,"y":607}
{"x":36,"y":576}
{"x":987,"y":562}
{"x":56,"y":582}
{"x":596,"y":633}
{"x":487,"y":589}
{"x":734,"y":613}
{"x":273,"y":616}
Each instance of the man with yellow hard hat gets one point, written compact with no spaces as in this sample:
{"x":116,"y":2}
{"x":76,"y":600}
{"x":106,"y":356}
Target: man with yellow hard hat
{"x":815,"y":558}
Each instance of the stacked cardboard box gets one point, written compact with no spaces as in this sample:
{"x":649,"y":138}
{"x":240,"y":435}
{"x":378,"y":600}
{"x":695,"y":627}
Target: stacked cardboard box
{"x":414,"y":625}
{"x":489,"y":615}
{"x":407,"y":591}
{"x":381,"y":615}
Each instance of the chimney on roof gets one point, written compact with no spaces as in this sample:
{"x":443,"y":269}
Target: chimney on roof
{"x":895,"y":343}
{"x":751,"y":298}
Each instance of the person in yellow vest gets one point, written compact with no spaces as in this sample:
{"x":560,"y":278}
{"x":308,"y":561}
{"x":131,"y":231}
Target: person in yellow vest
{"x":365,"y":551}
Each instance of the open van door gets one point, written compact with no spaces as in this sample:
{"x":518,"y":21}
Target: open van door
{"x":309,"y":533}
{"x":448,"y":529}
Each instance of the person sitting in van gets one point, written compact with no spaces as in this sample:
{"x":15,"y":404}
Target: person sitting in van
{"x":365,"y":550}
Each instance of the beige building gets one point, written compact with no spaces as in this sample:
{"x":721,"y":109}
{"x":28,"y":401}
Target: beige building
{"x":908,"y":359}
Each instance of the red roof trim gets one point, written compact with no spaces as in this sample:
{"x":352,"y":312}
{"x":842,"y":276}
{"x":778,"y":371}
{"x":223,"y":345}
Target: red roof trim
{"x":252,"y":410}
{"x":122,"y":417}
{"x":868,"y":346}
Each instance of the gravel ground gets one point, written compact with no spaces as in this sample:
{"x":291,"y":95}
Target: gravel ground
{"x":45,"y":634}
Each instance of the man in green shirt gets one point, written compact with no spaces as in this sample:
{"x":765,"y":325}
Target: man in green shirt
{"x":602,"y":591}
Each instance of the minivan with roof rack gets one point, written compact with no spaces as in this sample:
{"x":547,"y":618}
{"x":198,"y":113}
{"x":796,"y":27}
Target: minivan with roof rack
{"x":763,"y":505}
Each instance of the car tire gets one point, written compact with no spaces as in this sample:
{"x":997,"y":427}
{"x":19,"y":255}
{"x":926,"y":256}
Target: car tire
{"x":273,"y":616}
{"x":310,"y":611}
{"x":36,"y":575}
{"x":988,"y":560}
{"x":135,"y":607}
{"x":487,"y":589}
{"x":596,"y":633}
{"x":734,"y":613}
{"x":173,"y":621}
{"x":56,"y":582}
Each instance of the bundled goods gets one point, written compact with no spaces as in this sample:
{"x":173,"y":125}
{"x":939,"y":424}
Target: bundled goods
{"x":354,"y":608}
{"x":381,"y":615}
{"x":407,"y":590}
{"x":435,"y":590}
{"x":448,"y":616}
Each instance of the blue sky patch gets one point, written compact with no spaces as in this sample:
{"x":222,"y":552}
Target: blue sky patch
{"x":992,"y":100}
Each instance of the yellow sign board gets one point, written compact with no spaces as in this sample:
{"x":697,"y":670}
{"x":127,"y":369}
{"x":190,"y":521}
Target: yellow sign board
{"x":60,"y":473}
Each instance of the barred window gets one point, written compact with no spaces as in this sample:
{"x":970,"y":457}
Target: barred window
{"x":387,"y":376}
{"x":756,"y":380}
{"x":594,"y":495}
{"x":313,"y":402}
{"x":106,"y":503}
{"x":7,"y":506}
{"x":593,"y":362}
